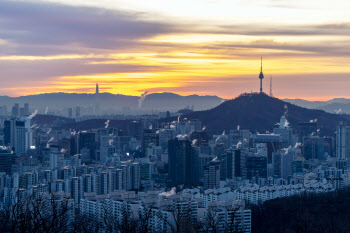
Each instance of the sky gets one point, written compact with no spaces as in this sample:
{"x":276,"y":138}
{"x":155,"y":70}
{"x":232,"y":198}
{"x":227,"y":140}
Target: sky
{"x":205,"y":47}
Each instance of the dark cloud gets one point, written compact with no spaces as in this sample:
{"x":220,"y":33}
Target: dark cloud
{"x":34,"y":28}
{"x":32,"y":24}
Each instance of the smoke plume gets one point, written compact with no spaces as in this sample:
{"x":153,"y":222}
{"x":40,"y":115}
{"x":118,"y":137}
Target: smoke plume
{"x":142,"y":98}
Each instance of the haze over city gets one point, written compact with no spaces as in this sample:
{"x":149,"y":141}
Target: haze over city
{"x":186,"y":47}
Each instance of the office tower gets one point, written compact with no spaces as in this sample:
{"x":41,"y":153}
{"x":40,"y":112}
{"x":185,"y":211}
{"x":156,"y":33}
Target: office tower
{"x":261,"y":77}
{"x":232,"y":164}
{"x":123,"y":144}
{"x":77,"y":112}
{"x":221,"y":141}
{"x":240,"y":163}
{"x":107,"y":148}
{"x":212,"y":175}
{"x":135,"y":129}
{"x":306,"y":129}
{"x":135,"y":176}
{"x":287,"y":163}
{"x":286,"y":133}
{"x":276,"y":163}
{"x":185,"y":126}
{"x":239,"y":137}
{"x":343,"y":141}
{"x":70,"y":112}
{"x":199,"y":138}
{"x":203,"y":159}
{"x":329,"y":146}
{"x":7,"y":160}
{"x":313,"y":148}
{"x":73,"y":144}
{"x":147,"y":169}
{"x":87,"y":141}
{"x":97,"y":90}
{"x":18,"y":135}
{"x":149,"y":137}
{"x":9,"y":132}
{"x":164,"y":136}
{"x":21,"y":112}
{"x":3,"y":110}
{"x":26,"y":109}
{"x":272,"y":141}
{"x":182,"y":163}
{"x":15,"y":110}
{"x":256,"y":166}
{"x":298,"y":166}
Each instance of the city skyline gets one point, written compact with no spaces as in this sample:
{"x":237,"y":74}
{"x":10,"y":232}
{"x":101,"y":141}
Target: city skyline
{"x":202,"y":47}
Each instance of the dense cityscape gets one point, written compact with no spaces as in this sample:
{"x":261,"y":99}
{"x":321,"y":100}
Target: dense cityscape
{"x":200,"y":116}
{"x":160,"y":174}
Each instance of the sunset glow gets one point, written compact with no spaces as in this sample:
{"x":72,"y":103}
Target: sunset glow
{"x":129,"y":47}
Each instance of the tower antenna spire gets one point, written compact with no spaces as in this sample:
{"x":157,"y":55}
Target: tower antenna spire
{"x":271,"y":86}
{"x":261,"y":77}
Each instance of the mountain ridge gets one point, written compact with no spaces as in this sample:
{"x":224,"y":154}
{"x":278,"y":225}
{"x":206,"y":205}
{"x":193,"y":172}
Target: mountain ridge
{"x":260,"y":112}
{"x":165,"y":101}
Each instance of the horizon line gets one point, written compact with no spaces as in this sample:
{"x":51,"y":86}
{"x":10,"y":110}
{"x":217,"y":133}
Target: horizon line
{"x":312,"y":99}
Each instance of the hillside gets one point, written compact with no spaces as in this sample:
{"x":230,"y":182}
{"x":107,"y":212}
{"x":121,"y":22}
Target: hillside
{"x":328,"y":212}
{"x":260,"y":112}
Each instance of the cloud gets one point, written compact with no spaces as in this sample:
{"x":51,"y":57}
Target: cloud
{"x":42,"y":24}
{"x":74,"y":47}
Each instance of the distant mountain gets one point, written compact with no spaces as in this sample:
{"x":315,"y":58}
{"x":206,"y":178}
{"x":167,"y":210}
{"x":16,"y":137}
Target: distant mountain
{"x":337,"y":105}
{"x":306,"y":103}
{"x":259,"y":112}
{"x":177,"y":102}
{"x":109,"y":103}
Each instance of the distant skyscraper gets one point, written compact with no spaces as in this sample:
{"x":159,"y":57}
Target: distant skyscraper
{"x":21,"y":112}
{"x":26,"y":109}
{"x":15,"y":110}
{"x":87,"y":141}
{"x":212,"y":175}
{"x":181,"y":162}
{"x":149,"y":136}
{"x":77,"y":111}
{"x":70,"y":112}
{"x":18,"y":135}
{"x":256,"y":166}
{"x":261,"y":77}
{"x":97,"y":91}
{"x":307,"y":129}
{"x":6,"y":161}
{"x":343,"y":141}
